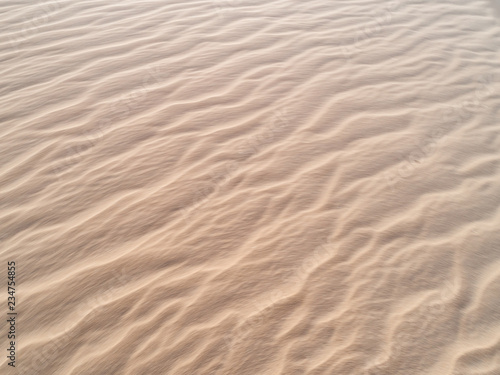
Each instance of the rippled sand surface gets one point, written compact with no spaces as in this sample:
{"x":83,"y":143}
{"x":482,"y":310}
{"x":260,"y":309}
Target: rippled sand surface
{"x":251,"y":187}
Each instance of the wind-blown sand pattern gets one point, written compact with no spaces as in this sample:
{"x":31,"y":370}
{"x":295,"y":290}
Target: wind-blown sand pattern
{"x":251,"y":187}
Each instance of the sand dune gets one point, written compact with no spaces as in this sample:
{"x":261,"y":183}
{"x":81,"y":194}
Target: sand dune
{"x":251,"y":187}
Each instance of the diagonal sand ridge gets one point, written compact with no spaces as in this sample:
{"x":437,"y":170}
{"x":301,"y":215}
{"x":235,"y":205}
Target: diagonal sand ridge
{"x":242,"y":187}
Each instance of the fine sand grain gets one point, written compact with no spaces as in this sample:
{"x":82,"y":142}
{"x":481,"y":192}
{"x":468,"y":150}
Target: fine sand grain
{"x":250,"y":187}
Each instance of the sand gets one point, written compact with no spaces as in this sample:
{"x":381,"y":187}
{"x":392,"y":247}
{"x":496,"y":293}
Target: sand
{"x":251,"y":187}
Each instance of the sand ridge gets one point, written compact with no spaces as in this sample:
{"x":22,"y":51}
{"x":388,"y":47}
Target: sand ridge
{"x":252,"y":187}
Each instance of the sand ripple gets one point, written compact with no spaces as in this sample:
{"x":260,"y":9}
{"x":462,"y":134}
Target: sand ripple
{"x":252,"y":187}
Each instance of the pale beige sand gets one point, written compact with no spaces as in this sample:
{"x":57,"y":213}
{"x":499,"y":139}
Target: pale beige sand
{"x":251,"y":187}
